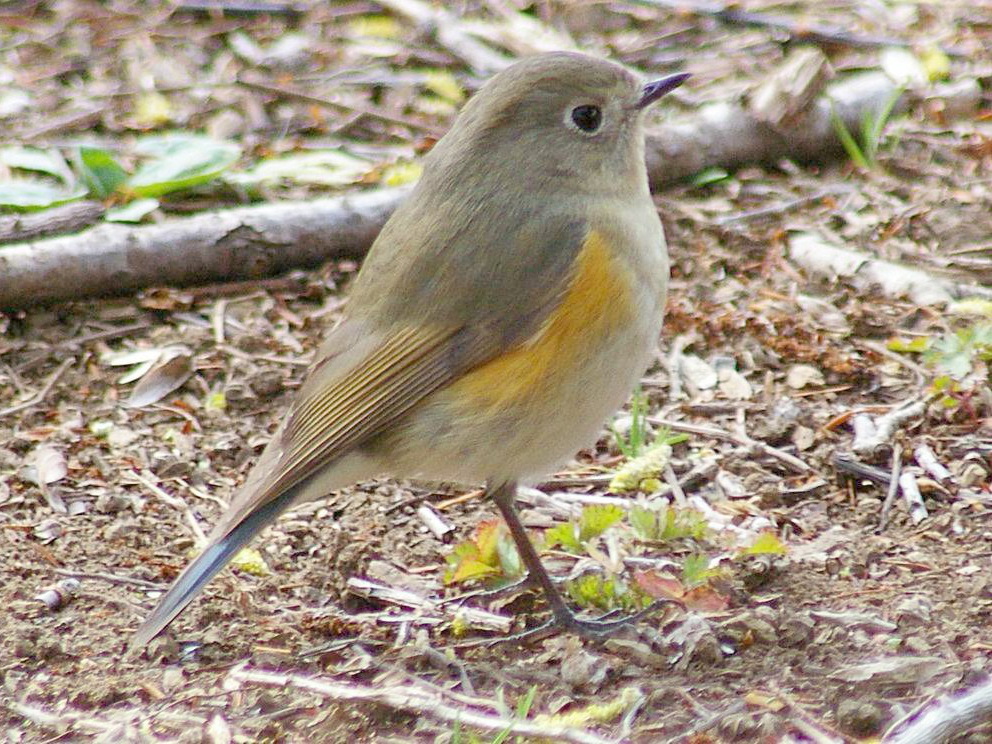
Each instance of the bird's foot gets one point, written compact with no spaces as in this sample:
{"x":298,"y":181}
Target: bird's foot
{"x":596,"y":629}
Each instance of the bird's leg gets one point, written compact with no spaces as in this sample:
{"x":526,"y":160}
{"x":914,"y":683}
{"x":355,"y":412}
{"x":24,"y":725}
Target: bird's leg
{"x":504,"y":495}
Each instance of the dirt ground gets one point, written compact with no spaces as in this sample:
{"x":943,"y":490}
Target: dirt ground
{"x":849,"y":631}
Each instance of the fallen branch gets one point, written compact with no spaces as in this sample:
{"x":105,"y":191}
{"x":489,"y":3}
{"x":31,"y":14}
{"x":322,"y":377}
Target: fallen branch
{"x":253,"y":242}
{"x":819,"y":257}
{"x":241,"y":243}
{"x":68,"y":218}
{"x":731,"y":135}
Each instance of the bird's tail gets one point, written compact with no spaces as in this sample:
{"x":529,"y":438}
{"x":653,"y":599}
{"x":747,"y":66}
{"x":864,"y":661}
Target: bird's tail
{"x":206,"y":565}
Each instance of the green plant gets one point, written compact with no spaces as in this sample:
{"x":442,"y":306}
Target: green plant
{"x":962,"y":358}
{"x":593,"y":590}
{"x":667,"y":523}
{"x":523,"y":707}
{"x":488,"y":555}
{"x":595,"y":520}
{"x":632,"y":444}
{"x":169,"y":163}
{"x":865,"y":154}
{"x":696,"y":571}
{"x":957,"y":353}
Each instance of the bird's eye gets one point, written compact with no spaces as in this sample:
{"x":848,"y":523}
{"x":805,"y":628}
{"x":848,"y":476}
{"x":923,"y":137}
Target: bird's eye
{"x":587,"y":118}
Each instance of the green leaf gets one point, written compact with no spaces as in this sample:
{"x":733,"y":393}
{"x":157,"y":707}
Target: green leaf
{"x":847,"y":141}
{"x":696,"y":570}
{"x":132,"y":212}
{"x":564,"y":535}
{"x":402,"y":173}
{"x":319,"y":168}
{"x":472,"y":569}
{"x":443,"y":84}
{"x":631,"y":445}
{"x":180,"y":162}
{"x":526,"y":703}
{"x":667,"y":523}
{"x":954,"y":354}
{"x":873,"y":125}
{"x":605,"y":593}
{"x":27,"y":196}
{"x":100,"y":171}
{"x":509,"y":559}
{"x":596,"y":519}
{"x":49,"y":162}
{"x":971,"y":306}
{"x":644,"y":522}
{"x":376,"y":26}
{"x":943,"y":382}
{"x":766,"y":543}
{"x":642,"y":473}
{"x":708,"y":176}
{"x":909,"y":346}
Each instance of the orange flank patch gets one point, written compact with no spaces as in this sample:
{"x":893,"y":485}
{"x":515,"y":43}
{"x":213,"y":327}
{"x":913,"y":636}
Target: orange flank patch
{"x":596,"y":302}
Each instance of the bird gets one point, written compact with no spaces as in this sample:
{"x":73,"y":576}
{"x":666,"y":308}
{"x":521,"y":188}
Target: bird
{"x":506,"y":309}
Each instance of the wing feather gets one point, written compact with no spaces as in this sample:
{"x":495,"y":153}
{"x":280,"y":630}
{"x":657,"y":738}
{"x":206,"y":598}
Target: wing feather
{"x":449,"y":312}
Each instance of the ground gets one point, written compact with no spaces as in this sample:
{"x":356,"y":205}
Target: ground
{"x":868,"y":613}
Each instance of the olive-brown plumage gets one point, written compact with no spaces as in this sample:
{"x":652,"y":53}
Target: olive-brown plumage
{"x":505,"y":310}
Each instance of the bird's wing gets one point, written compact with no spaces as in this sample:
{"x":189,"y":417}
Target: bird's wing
{"x":365,"y":380}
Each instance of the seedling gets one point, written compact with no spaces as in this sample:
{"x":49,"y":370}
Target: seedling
{"x":865,"y":154}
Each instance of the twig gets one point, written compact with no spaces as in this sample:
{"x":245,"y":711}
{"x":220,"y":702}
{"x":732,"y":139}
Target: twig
{"x":438,"y":527}
{"x":67,"y":722}
{"x":109,"y":578}
{"x":250,"y":8}
{"x":284,"y":92}
{"x":707,"y":719}
{"x":801,"y":31}
{"x":911,"y":495}
{"x":175,"y":502}
{"x":578,"y":481}
{"x":775,"y":210}
{"x":417,"y":701}
{"x":303,"y":361}
{"x":210,"y":247}
{"x":673,"y":365}
{"x":673,"y":482}
{"x":847,"y":464}
{"x":830,"y":259}
{"x":405,"y":598}
{"x":948,"y":718}
{"x":928,"y":461}
{"x":890,"y":497}
{"x":885,"y":426}
{"x":742,"y":440}
{"x":41,"y":394}
{"x":217,"y":321}
{"x":816,"y":730}
{"x":864,"y":431}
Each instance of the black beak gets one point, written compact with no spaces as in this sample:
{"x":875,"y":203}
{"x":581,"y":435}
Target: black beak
{"x":657,"y":88}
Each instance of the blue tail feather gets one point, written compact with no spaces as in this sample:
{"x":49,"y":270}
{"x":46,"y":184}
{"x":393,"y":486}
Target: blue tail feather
{"x":207,"y":565}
